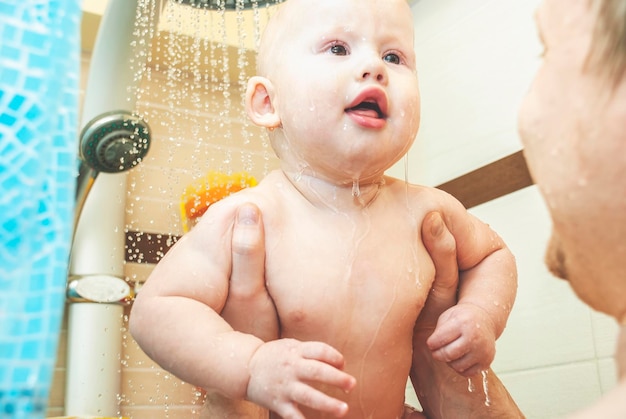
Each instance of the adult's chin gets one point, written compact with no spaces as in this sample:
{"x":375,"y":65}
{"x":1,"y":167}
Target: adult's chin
{"x":556,"y":259}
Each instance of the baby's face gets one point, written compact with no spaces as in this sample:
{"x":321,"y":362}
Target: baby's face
{"x":345,"y":85}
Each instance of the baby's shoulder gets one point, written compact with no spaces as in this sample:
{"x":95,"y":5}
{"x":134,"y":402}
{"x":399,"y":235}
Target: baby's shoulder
{"x":416,"y":194}
{"x":261,"y":195}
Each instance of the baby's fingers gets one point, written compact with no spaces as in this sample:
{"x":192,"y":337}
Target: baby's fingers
{"x":322,"y":352}
{"x":452,"y":352}
{"x":307,"y":396}
{"x":468,"y":366}
{"x":327,"y":374}
{"x":325,"y":366}
{"x":444,"y":334}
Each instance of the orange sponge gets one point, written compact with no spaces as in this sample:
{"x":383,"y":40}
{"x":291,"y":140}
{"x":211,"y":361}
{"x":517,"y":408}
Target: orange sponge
{"x":214,"y":186}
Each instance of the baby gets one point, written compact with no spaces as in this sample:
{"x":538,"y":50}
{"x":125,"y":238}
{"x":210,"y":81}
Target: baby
{"x":345,"y":268}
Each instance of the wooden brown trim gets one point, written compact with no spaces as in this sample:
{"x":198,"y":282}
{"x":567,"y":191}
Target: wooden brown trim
{"x":492,"y":181}
{"x":144,"y":247}
{"x":489,"y":182}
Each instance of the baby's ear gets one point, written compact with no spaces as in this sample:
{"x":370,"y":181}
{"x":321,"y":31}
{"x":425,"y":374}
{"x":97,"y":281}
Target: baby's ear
{"x":259,"y":105}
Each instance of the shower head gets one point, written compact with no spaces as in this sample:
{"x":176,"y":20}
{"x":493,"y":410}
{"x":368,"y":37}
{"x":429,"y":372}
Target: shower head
{"x":227,"y":4}
{"x":114,"y":142}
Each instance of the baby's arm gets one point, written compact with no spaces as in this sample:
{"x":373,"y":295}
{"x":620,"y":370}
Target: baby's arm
{"x":466,"y":333}
{"x":176,"y":320}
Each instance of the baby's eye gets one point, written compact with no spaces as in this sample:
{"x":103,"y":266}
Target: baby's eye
{"x":338,"y":49}
{"x":392,"y":58}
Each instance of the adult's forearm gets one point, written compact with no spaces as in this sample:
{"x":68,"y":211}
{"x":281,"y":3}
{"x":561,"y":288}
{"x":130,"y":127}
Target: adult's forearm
{"x":445,"y":394}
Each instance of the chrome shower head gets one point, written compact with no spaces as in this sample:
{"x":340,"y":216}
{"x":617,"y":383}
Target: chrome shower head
{"x":114,"y":142}
{"x":227,"y":4}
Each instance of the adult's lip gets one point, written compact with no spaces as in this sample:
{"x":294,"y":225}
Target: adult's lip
{"x":370,"y":103}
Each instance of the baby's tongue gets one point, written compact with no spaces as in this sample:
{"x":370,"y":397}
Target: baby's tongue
{"x":367,"y":113}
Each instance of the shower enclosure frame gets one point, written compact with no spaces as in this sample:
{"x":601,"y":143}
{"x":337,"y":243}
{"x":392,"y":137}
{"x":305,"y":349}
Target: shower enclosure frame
{"x":94,"y":341}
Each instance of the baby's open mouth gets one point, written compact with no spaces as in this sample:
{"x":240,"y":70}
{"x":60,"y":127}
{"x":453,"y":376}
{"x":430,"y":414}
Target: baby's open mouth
{"x":367,"y":108}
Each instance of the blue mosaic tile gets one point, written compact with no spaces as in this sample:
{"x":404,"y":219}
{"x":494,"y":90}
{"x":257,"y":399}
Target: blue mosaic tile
{"x":8,"y":120}
{"x":39,"y":70}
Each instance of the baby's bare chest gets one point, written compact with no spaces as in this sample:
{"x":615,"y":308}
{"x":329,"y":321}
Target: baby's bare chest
{"x":366,"y":276}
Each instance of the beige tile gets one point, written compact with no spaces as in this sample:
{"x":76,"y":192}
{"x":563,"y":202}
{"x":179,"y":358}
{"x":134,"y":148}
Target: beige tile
{"x":483,"y":98}
{"x":153,"y":215}
{"x":53,"y":412}
{"x":161,"y":412}
{"x":549,"y":325}
{"x":179,"y":148}
{"x":167,"y":182}
{"x":554,"y":392}
{"x":605,"y":331}
{"x":57,"y":389}
{"x":607,"y":370}
{"x":178,"y":91}
{"x":156,"y":387}
{"x":134,"y":358}
{"x":61,"y":361}
{"x":137,"y":272}
{"x":155,"y":193}
{"x":410,"y":397}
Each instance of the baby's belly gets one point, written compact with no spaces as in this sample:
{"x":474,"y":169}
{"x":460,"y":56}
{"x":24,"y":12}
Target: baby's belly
{"x":379,"y":393}
{"x":375,"y":338}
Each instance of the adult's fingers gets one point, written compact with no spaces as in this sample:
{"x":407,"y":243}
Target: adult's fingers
{"x":248,"y":252}
{"x":249,"y":307}
{"x":442,"y":249}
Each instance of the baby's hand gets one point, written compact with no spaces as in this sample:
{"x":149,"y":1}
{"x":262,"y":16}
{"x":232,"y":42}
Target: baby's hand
{"x":280,"y":373}
{"x":465,"y":339}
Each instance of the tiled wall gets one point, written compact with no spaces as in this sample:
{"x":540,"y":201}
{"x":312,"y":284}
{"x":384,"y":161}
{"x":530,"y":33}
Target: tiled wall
{"x":188,"y":141}
{"x":191,"y":135}
{"x":475,"y":60}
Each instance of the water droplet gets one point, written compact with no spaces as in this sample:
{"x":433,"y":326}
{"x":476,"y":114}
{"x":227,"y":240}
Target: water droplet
{"x":470,"y":385}
{"x":486,"y":388}
{"x":356,"y":189}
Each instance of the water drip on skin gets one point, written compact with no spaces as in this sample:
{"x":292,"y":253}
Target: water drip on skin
{"x":470,"y":385}
{"x":361,"y":228}
{"x":486,"y":388}
{"x":374,"y":338}
{"x":471,"y":388}
{"x":356,"y":189}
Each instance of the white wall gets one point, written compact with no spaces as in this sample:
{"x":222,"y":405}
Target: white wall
{"x":476,"y":59}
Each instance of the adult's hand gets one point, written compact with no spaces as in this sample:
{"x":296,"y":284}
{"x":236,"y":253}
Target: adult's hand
{"x":442,"y":249}
{"x":249,"y":307}
{"x":442,"y":392}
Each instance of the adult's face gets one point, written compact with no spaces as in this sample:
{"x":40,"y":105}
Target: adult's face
{"x":573,"y":126}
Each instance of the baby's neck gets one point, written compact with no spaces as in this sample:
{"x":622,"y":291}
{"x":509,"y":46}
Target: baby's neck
{"x":323,"y":193}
